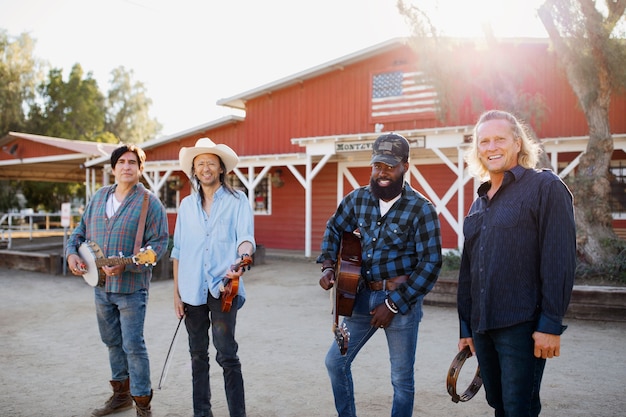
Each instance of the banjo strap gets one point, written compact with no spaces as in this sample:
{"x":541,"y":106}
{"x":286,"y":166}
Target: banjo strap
{"x":142,"y":223}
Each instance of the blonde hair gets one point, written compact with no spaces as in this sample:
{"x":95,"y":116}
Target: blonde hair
{"x":527,"y":157}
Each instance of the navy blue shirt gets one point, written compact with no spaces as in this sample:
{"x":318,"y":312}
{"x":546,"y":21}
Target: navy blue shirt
{"x":405,"y":241}
{"x":519,"y":256}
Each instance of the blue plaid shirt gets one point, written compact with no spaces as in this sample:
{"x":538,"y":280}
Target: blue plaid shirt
{"x":519,"y":257}
{"x":118,"y":233}
{"x":405,"y":241}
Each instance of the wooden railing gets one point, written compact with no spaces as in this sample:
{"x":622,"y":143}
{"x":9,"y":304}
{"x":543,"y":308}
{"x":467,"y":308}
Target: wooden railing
{"x":14,"y":225}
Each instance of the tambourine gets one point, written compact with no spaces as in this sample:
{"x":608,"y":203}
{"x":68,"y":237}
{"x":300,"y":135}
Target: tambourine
{"x":453,"y":374}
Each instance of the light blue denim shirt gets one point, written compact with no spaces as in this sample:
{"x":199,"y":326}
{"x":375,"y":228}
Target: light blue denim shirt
{"x":206,"y":246}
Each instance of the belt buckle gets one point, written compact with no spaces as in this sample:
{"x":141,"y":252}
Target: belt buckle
{"x":384,"y":285}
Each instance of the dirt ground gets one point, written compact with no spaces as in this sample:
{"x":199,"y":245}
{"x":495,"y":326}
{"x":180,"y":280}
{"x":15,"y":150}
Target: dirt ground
{"x":52,"y":362}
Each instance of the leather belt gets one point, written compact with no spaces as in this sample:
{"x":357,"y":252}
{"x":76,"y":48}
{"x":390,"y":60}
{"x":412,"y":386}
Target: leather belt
{"x":387,"y":284}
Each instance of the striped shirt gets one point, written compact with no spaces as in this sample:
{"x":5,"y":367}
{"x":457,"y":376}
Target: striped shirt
{"x":404,"y":241}
{"x":519,"y":256}
{"x":117,"y":234}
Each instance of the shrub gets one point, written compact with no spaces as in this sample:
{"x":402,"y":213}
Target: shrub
{"x":612,"y":272}
{"x":451,"y":260}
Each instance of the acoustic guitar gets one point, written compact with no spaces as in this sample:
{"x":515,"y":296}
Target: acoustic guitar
{"x":231,"y":287}
{"x":347,"y":278}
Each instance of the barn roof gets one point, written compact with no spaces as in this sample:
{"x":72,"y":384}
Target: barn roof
{"x":62,"y":160}
{"x":239,"y":101}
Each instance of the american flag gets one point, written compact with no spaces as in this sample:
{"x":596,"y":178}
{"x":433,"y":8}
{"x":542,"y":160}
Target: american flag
{"x":402,"y":93}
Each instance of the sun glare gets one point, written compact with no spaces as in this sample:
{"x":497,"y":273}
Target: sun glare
{"x":506,"y":18}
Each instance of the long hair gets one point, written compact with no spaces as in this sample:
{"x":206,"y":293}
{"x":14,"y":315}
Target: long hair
{"x":195,"y":181}
{"x":527,"y":157}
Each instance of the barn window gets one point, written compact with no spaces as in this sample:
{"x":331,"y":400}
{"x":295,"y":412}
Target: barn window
{"x":170,"y":193}
{"x":617,"y":179}
{"x":262,"y":204}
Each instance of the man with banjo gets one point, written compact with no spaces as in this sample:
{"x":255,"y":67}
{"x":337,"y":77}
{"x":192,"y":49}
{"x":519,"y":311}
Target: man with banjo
{"x":120,"y":220}
{"x":400,"y":262}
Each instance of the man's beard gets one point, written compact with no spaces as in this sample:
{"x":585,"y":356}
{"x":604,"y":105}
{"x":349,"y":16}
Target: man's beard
{"x":386,"y":193}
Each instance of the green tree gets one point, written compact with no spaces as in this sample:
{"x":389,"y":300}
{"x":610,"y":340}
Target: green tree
{"x":8,"y":196}
{"x":74,"y":109}
{"x":590,"y":44}
{"x":591,"y":48}
{"x":127,"y":109}
{"x":19,"y":76}
{"x":49,"y":196}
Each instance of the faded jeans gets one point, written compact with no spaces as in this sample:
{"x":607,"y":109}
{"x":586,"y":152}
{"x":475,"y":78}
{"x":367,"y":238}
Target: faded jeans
{"x":121,"y":322}
{"x":401,"y":342}
{"x":198,"y":319}
{"x":510,"y":371}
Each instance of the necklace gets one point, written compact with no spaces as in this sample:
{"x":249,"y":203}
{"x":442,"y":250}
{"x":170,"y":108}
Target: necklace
{"x":112,"y":205}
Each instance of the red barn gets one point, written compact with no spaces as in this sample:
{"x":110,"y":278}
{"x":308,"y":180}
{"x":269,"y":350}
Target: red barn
{"x":305,"y":140}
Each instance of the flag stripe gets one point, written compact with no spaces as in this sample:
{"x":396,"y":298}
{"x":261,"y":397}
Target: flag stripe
{"x":398,"y":93}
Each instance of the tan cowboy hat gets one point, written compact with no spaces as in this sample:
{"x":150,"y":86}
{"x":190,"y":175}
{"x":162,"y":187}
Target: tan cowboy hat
{"x":206,"y":145}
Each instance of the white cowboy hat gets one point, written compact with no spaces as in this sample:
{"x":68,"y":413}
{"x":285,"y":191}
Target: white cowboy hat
{"x":206,"y":145}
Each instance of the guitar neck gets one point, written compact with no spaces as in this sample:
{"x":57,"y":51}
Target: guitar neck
{"x":114,"y":261}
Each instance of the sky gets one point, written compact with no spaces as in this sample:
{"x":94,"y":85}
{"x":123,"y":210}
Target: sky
{"x":191,"y":53}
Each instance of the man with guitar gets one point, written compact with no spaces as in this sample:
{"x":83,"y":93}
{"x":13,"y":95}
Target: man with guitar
{"x":121,"y":220}
{"x":213,"y":244}
{"x":400,"y":259}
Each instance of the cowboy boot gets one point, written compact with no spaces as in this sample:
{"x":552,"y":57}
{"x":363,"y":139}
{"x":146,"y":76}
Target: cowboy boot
{"x":119,"y":401}
{"x":143,"y":405}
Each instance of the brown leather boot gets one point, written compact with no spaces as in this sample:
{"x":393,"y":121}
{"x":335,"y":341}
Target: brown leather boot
{"x":143,"y":405}
{"x":119,"y":401}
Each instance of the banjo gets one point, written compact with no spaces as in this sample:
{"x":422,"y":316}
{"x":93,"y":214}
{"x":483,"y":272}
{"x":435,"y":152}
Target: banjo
{"x":94,"y":258}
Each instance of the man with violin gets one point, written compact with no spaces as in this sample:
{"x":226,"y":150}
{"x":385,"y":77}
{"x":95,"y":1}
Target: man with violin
{"x":213,"y":244}
{"x":400,"y":259}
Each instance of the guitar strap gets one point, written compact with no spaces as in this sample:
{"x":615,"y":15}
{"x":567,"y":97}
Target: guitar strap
{"x":142,"y":223}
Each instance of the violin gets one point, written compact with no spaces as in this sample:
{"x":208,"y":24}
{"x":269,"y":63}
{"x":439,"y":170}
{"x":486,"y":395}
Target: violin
{"x":231,"y":287}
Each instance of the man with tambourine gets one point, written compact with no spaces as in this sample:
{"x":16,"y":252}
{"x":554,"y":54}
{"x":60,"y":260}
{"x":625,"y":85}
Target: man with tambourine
{"x":122,"y":219}
{"x":517,"y":266}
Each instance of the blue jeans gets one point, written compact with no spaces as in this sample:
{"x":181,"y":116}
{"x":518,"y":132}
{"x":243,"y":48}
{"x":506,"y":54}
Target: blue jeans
{"x":120,"y":320}
{"x":401,"y":342}
{"x":510,"y":371}
{"x":197,"y":321}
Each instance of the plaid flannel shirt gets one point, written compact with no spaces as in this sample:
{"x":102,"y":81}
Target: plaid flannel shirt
{"x":118,"y":233}
{"x":405,"y":241}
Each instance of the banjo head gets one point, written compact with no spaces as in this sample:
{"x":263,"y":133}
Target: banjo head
{"x":90,"y":251}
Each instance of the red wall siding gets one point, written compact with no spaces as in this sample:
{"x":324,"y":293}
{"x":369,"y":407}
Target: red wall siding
{"x":338,"y":103}
{"x":233,"y":135}
{"x":285,"y":227}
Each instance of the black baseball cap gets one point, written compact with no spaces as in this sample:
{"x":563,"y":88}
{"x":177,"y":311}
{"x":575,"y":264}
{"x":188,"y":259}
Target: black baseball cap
{"x":390,"y":149}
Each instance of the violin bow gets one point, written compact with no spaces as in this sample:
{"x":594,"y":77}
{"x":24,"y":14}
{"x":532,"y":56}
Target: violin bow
{"x":168,"y":358}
